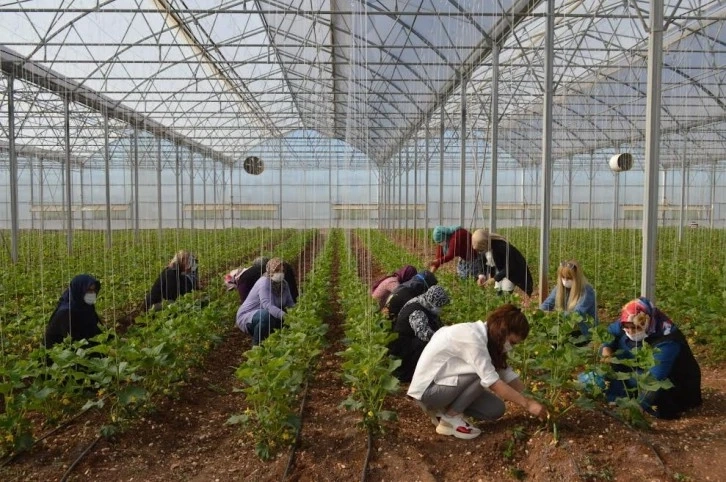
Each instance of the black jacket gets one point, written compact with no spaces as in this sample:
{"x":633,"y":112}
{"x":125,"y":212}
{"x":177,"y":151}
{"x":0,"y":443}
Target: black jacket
{"x":509,"y":263}
{"x":408,"y":347}
{"x":171,"y":284}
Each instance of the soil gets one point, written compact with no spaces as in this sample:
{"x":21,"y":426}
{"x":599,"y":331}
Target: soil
{"x":187,"y":439}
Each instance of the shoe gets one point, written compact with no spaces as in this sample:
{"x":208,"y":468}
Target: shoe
{"x":460,"y":429}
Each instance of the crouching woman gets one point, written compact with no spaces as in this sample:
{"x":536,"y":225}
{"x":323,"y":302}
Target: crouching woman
{"x":463,"y":371}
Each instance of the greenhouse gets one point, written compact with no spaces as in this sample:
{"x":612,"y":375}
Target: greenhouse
{"x":345,"y":138}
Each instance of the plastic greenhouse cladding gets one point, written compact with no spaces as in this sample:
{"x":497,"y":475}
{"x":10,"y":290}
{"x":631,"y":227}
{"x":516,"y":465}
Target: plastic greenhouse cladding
{"x":336,"y":134}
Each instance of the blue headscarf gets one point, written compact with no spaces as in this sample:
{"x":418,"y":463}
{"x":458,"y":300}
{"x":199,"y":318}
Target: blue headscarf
{"x":442,"y":233}
{"x":72,"y":298}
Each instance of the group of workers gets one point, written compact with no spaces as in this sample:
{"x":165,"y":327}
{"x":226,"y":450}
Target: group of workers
{"x":455,"y":371}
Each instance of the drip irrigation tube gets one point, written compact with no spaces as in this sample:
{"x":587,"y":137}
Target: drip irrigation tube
{"x":80,"y":457}
{"x":293,"y":449}
{"x":642,"y":438}
{"x":364,"y":473}
{"x":51,"y":432}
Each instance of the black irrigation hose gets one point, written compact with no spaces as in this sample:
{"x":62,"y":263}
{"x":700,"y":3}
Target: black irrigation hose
{"x":293,"y":449}
{"x":75,"y":462}
{"x":364,"y":473}
{"x":49,"y":433}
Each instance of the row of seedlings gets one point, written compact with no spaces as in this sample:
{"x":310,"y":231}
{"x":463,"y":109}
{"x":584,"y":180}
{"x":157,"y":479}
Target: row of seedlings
{"x":120,"y":371}
{"x":275,"y":372}
{"x":367,"y":367}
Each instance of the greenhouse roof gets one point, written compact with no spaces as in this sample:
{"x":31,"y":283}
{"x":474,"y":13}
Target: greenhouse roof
{"x":222,"y":77}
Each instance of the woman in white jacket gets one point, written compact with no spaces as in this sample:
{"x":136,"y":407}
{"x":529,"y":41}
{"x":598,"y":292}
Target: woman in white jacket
{"x":463,"y":371}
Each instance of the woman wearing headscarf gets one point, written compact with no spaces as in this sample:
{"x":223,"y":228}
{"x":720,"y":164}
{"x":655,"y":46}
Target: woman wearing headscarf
{"x":500,"y":262}
{"x":640,"y":323}
{"x":75,"y":315}
{"x":453,"y":242}
{"x":406,"y":291}
{"x":382,"y":288}
{"x":248,"y":277}
{"x":177,"y":279}
{"x":418,"y":320}
{"x":264,"y":308}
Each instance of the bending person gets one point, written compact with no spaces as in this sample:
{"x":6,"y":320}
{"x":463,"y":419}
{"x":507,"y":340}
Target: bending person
{"x":75,"y":315}
{"x":418,"y":320}
{"x":641,"y":322}
{"x":248,"y":277}
{"x":463,"y":371}
{"x":264,"y":308}
{"x":455,"y":242}
{"x":177,"y":279}
{"x":381,"y":289}
{"x":405,"y":292}
{"x":502,"y":263}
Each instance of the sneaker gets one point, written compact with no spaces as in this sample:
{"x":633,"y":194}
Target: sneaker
{"x":460,"y":429}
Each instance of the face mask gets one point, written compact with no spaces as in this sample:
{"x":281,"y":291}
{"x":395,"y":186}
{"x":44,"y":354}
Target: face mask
{"x":277,"y":277}
{"x":507,"y":346}
{"x":567,"y":283}
{"x":89,"y":298}
{"x":639,"y":336}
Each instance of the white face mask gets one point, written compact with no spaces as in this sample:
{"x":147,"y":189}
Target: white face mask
{"x":567,"y":283}
{"x":507,"y":346}
{"x":89,"y":298}
{"x":277,"y":277}
{"x":637,"y":337}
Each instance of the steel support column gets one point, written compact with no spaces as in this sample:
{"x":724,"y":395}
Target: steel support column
{"x":441,"y":166}
{"x":158,"y":189}
{"x":13,"y":159}
{"x":462,"y":163}
{"x":652,"y":146}
{"x":136,"y":184}
{"x":68,"y":192}
{"x":494,"y":143}
{"x":546,"y":180}
{"x":107,"y":176}
{"x":681,"y":212}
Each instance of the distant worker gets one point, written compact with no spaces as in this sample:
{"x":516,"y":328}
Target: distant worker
{"x":178,"y":278}
{"x":573,"y":294}
{"x":75,"y":315}
{"x":382,"y":288}
{"x":406,"y":291}
{"x":455,"y":242}
{"x":503,"y":264}
{"x":244,"y":279}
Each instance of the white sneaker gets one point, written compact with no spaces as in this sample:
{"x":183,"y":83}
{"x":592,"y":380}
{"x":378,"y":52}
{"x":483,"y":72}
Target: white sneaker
{"x":459,"y":428}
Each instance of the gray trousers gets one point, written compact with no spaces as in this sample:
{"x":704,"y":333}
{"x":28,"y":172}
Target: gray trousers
{"x":467,"y":397}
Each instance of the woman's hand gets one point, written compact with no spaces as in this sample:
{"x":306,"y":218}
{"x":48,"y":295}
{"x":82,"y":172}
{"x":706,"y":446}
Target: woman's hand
{"x":537,"y":409}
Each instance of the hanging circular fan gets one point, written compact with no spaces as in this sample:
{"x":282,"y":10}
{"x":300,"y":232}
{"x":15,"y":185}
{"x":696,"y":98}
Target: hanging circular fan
{"x":621,"y":162}
{"x":253,"y":165}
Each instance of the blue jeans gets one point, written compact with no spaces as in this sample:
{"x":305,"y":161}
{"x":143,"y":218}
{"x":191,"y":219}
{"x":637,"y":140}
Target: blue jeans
{"x":262,"y":325}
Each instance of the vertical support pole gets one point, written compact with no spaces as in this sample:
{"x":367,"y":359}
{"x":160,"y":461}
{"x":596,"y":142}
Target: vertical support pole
{"x":407,"y":171}
{"x":158,"y":190}
{"x":569,"y":193}
{"x":205,"y":173}
{"x":546,"y":180}
{"x":524,"y":203}
{"x":231,"y":197}
{"x":331,"y":201}
{"x":415,"y":192}
{"x":13,"y":158}
{"x":41,"y":189}
{"x":83,"y":200}
{"x":32,"y":194}
{"x":136,"y":184}
{"x":69,"y":207}
{"x":652,"y":146}
{"x":712,"y":196}
{"x":193,"y":211}
{"x":426,"y":182}
{"x":494,"y":140}
{"x":462,"y":165}
{"x":399,"y":224}
{"x":279,"y":209}
{"x":441,"y":166}
{"x":616,"y":200}
{"x":589,"y":191}
{"x":177,"y":167}
{"x":107,"y":175}
{"x":681,"y":212}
